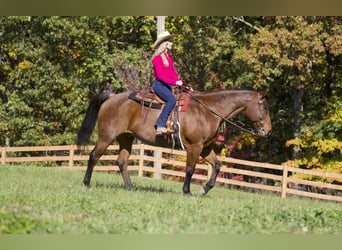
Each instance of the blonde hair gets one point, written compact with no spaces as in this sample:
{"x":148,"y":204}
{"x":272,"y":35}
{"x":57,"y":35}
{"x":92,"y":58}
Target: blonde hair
{"x":160,"y":51}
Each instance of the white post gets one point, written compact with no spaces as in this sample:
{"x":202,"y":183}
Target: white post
{"x":157,"y":153}
{"x":160,"y":24}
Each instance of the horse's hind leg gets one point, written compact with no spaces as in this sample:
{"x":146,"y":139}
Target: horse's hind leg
{"x":94,"y":156}
{"x":125,"y":142}
{"x":210,"y":156}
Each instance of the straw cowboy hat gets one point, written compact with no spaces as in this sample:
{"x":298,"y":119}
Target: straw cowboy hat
{"x":162,"y":36}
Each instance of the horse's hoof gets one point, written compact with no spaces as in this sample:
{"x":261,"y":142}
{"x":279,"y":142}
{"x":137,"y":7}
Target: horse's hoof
{"x":189,"y":194}
{"x":202,"y":191}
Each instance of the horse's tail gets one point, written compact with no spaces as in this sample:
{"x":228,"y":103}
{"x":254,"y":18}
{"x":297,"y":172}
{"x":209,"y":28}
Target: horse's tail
{"x":90,"y":119}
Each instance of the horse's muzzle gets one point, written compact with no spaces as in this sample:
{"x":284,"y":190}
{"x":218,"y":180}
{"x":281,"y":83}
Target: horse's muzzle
{"x":261,"y":132}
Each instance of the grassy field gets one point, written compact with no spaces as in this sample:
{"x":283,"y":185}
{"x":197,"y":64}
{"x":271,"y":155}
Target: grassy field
{"x":48,"y":200}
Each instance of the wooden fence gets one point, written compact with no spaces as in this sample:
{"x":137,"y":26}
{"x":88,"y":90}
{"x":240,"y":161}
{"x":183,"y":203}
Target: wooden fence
{"x":234,"y":172}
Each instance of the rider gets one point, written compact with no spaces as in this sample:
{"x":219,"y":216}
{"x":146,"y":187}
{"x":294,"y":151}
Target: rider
{"x":165,"y":76}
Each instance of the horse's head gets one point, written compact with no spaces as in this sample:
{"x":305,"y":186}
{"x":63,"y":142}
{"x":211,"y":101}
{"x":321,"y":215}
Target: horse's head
{"x":257,"y":111}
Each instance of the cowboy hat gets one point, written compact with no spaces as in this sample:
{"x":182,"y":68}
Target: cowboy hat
{"x":161,"y":37}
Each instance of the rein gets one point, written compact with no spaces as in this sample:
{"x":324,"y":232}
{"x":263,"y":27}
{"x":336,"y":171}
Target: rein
{"x":220,"y":116}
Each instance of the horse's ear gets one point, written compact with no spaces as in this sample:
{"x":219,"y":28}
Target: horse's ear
{"x":263,"y":94}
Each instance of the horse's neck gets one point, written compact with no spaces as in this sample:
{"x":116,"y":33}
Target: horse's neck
{"x":238,"y":100}
{"x":227,"y":103}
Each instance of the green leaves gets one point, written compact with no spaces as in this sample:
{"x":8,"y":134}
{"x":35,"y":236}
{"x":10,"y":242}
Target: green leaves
{"x":12,"y":223}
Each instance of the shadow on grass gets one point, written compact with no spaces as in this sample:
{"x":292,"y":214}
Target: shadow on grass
{"x":136,"y":188}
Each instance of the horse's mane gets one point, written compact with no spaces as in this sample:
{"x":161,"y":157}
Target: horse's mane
{"x":220,"y":92}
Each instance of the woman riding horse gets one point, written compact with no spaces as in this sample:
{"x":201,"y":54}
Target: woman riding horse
{"x":165,"y":76}
{"x":120,"y":118}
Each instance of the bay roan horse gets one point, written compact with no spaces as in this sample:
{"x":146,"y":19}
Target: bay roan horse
{"x":120,"y":118}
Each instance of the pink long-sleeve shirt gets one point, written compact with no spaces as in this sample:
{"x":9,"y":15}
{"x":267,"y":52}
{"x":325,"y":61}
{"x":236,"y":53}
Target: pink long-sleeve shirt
{"x":161,"y":72}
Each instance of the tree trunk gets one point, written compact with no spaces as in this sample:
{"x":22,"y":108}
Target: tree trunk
{"x":298,"y":109}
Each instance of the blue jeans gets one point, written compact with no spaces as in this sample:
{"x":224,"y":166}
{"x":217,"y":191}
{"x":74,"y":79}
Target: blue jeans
{"x":164,"y":91}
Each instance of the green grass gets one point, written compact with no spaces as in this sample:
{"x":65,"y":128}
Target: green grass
{"x":49,"y":200}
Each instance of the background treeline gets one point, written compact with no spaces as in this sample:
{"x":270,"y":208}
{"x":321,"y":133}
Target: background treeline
{"x":51,"y":66}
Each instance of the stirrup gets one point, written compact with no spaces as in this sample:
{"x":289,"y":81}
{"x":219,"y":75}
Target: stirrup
{"x":163,"y":130}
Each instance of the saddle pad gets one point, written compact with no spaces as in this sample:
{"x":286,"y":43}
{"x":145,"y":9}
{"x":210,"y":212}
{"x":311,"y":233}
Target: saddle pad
{"x":184,"y":105}
{"x":145,"y":100}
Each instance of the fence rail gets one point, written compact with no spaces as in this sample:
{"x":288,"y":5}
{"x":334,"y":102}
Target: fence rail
{"x":234,"y":172}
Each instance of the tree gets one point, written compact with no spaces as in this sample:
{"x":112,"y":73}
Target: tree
{"x":51,"y":66}
{"x":290,"y":57}
{"x":202,"y":45}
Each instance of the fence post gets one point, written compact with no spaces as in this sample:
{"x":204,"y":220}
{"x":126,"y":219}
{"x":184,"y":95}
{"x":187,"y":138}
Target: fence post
{"x":141,"y":159}
{"x":157,"y":163}
{"x":3,"y":155}
{"x":71,"y":156}
{"x":284,"y":182}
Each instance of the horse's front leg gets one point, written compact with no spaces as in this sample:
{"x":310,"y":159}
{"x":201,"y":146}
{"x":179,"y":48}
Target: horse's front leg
{"x":193,"y":153}
{"x":216,"y":166}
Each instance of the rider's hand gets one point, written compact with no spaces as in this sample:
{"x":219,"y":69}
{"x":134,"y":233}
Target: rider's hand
{"x":179,"y":83}
{"x":188,"y":88}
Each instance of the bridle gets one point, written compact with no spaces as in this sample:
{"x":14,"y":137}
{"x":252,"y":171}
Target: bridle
{"x":256,"y":132}
{"x":261,"y":129}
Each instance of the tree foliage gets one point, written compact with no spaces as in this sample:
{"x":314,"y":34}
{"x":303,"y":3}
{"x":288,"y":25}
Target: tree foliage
{"x":51,"y":66}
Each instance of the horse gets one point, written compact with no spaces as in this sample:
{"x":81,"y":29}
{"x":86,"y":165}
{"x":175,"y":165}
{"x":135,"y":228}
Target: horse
{"x":120,"y":118}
